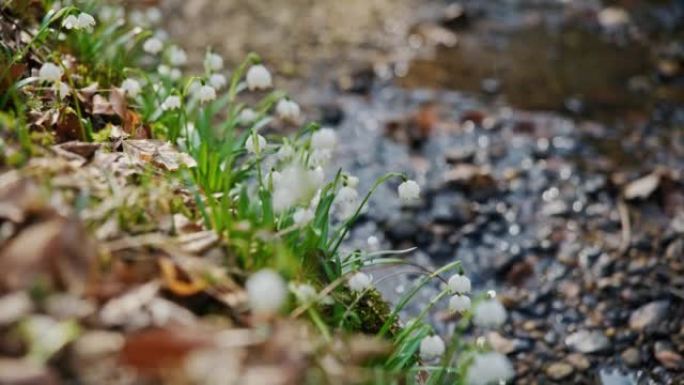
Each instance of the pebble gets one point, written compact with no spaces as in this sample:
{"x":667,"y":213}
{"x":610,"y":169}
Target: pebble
{"x":587,"y":341}
{"x":559,"y":370}
{"x":631,"y":357}
{"x":648,"y":315}
{"x":665,"y":354}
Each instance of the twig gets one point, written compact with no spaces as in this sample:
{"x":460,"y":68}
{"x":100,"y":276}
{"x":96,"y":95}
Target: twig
{"x":623,"y":210}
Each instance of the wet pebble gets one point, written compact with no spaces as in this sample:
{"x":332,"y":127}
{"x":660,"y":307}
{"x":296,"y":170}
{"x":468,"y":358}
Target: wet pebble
{"x":587,"y":341}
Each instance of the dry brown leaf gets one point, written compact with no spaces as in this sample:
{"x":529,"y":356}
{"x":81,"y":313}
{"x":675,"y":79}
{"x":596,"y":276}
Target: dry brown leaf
{"x":178,"y":281}
{"x":158,"y":152}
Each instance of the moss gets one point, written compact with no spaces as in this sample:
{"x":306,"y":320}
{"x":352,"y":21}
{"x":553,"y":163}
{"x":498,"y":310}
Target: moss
{"x":373,"y":311}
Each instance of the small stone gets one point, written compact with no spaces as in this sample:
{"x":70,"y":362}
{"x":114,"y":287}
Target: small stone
{"x":587,"y":341}
{"x":579,"y":361}
{"x":631,"y":357}
{"x":648,"y":315}
{"x":559,"y":370}
{"x":666,"y":355}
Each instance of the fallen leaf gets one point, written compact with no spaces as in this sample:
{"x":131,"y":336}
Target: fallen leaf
{"x":643,"y":187}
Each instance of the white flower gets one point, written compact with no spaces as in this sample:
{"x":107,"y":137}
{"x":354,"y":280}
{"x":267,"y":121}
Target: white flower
{"x":459,"y":284}
{"x":175,"y":74}
{"x":171,"y":103}
{"x":260,"y":144}
{"x":489,"y":314}
{"x":459,"y":303}
{"x":352,"y":181}
{"x":266,"y":291}
{"x":206,"y":93}
{"x":294,"y":184}
{"x":285,"y":152}
{"x":247,"y":116}
{"x":304,"y":293}
{"x":70,"y":22}
{"x":302,"y":216}
{"x":154,"y":15}
{"x":360,"y":281}
{"x":613,"y":17}
{"x":50,"y":72}
{"x":258,"y":78}
{"x":85,"y":21}
{"x":489,"y":368}
{"x":177,"y":56}
{"x":431,"y":347}
{"x":61,"y":89}
{"x":324,"y":139}
{"x":213,"y":61}
{"x":288,"y":110}
{"x":317,"y":176}
{"x":217,"y":81}
{"x":131,"y":87}
{"x":347,"y":195}
{"x":409,"y":191}
{"x":153,"y":46}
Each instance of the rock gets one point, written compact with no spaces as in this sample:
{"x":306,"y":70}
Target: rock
{"x":579,"y":361}
{"x":631,"y":357}
{"x":587,"y":341}
{"x":643,"y":187}
{"x":648,"y":315}
{"x":608,"y":376}
{"x":559,"y":370}
{"x":665,"y":354}
{"x":25,"y":372}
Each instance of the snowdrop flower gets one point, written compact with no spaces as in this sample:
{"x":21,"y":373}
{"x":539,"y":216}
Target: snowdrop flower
{"x":247,"y":116}
{"x":171,"y":103}
{"x":409,"y":191}
{"x":302,"y":216}
{"x":304,"y":293}
{"x":431,"y":347}
{"x":489,"y":368}
{"x":260,"y":144}
{"x":459,"y":303}
{"x":352,"y":181}
{"x":153,"y":46}
{"x":360,"y":282}
{"x":459,"y":284}
{"x":258,"y":78}
{"x":177,"y":56}
{"x":206,"y":93}
{"x":217,"y":81}
{"x":266,"y":291}
{"x":70,"y":22}
{"x":288,"y":110}
{"x":85,"y":21}
{"x":50,"y":72}
{"x":489,"y":314}
{"x":131,"y":87}
{"x":324,"y":139}
{"x":213,"y":61}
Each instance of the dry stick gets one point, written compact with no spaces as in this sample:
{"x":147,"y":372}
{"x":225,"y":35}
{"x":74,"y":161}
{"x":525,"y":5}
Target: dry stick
{"x":623,"y":210}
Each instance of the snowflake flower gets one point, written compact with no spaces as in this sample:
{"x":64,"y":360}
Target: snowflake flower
{"x":70,"y":22}
{"x":489,"y":368}
{"x":285,"y":152}
{"x":258,"y":78}
{"x":206,"y":93}
{"x":294,"y":184}
{"x":360,"y":282}
{"x":409,"y":191}
{"x":288,"y":110}
{"x":489,"y":314}
{"x":85,"y":21}
{"x":459,"y":303}
{"x":61,"y":89}
{"x":352,"y":181}
{"x":302,"y":216}
{"x":431,"y":347}
{"x":153,"y":46}
{"x":213,"y":61}
{"x":266,"y":292}
{"x":218,"y":81}
{"x":50,"y":72}
{"x":247,"y":116}
{"x":324,"y":139}
{"x":131,"y":87}
{"x":459,"y":284}
{"x":171,"y":103}
{"x":260,"y":144}
{"x":177,"y":56}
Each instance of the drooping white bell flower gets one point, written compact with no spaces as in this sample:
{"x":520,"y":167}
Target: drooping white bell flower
{"x":489,"y":368}
{"x":206,"y":93}
{"x":85,"y":21}
{"x":214,"y":62}
{"x":288,"y":110}
{"x":294,"y":184}
{"x":172,"y":102}
{"x":50,"y":72}
{"x":285,"y":152}
{"x":304,"y":293}
{"x":153,"y":46}
{"x":266,"y":292}
{"x":489,"y":314}
{"x":177,"y":56}
{"x":352,"y":181}
{"x":459,"y":303}
{"x":360,"y":281}
{"x":409,"y":191}
{"x":255,"y":147}
{"x":175,"y":74}
{"x":324,"y":139}
{"x":131,"y":87}
{"x":258,"y":78}
{"x":459,"y":284}
{"x":218,"y":81}
{"x":317,"y":176}
{"x":70,"y":22}
{"x":431,"y":347}
{"x":247,"y":116}
{"x":302,"y":216}
{"x":61,"y":89}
